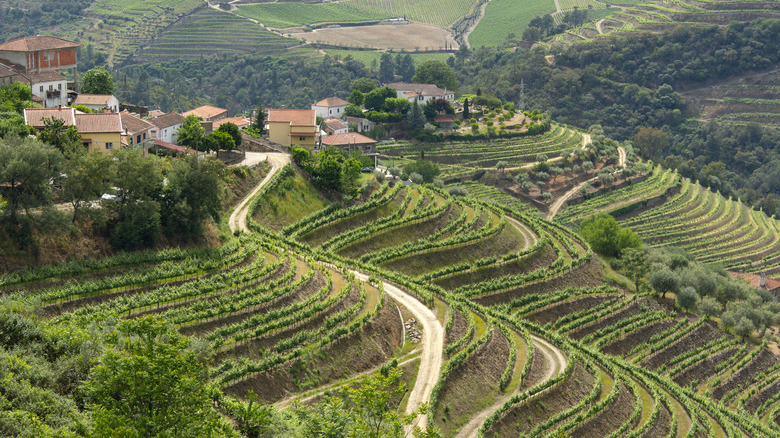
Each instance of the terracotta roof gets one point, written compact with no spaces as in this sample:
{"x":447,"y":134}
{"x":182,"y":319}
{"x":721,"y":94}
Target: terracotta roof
{"x":34,"y":116}
{"x":11,"y":65}
{"x":44,"y":76}
{"x":331,"y":102}
{"x":205,"y":112}
{"x":167,"y":120}
{"x":446,"y":118}
{"x":92,"y":99}
{"x":347,"y":139}
{"x":356,"y":120}
{"x":424,"y":89}
{"x":755,"y":280}
{"x":335,"y":124}
{"x":238,"y":121}
{"x":6,"y":71}
{"x":174,"y":147}
{"x":293,"y":116}
{"x":99,"y":123}
{"x":37,"y":43}
{"x":155,"y":113}
{"x":133,"y":124}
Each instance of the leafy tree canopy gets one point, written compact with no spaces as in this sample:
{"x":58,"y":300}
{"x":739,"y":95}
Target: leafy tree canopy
{"x":97,"y":81}
{"x":606,"y":236}
{"x":436,"y":72}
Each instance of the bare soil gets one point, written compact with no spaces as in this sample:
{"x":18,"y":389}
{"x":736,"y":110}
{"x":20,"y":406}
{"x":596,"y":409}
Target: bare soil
{"x":587,"y":274}
{"x":555,"y":311}
{"x":612,"y":417}
{"x":524,"y":265}
{"x":705,"y":369}
{"x":409,"y":37}
{"x":661,"y":425}
{"x":628,"y":341}
{"x":473,"y":385}
{"x":522,"y":418}
{"x":745,"y":375}
{"x":639,"y":306}
{"x":695,"y":339}
{"x":762,"y":396}
{"x":459,"y":327}
{"x":360,"y":351}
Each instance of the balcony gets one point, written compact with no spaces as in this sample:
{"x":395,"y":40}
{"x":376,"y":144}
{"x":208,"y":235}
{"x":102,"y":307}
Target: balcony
{"x":54,"y":94}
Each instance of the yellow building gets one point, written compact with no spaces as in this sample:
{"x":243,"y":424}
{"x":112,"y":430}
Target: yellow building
{"x":100,"y":132}
{"x":290,"y":127}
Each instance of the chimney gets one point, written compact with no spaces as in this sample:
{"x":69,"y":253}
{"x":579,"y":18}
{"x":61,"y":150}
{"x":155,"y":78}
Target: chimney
{"x":763,"y":279}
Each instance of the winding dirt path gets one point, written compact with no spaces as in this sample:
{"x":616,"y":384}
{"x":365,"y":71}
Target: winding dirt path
{"x":556,"y":363}
{"x":277,"y":160}
{"x":431,"y":358}
{"x":528,"y":235}
{"x":475,"y":23}
{"x":622,"y":155}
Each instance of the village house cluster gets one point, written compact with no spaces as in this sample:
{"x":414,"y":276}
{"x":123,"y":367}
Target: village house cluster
{"x":39,"y":62}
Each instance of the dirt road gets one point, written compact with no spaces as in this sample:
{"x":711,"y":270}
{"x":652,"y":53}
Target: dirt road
{"x":431,"y":358}
{"x":277,"y":160}
{"x":556,"y":363}
{"x":528,"y":235}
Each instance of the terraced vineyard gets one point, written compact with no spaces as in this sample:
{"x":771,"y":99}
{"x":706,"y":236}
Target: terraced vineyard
{"x":258,"y":308}
{"x":710,"y":227}
{"x":461,"y":159}
{"x":216,"y":33}
{"x":520,"y":335}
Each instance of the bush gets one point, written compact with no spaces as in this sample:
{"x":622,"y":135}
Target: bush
{"x":606,"y":236}
{"x":457,"y":191}
{"x":427,"y":169}
{"x":687,"y":298}
{"x":416,"y":178}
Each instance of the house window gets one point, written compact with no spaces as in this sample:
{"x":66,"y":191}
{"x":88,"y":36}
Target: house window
{"x":51,"y":87}
{"x":109,"y":145}
{"x":48,"y":57}
{"x":144,"y":136}
{"x":41,"y":88}
{"x":59,"y":87}
{"x":138,"y":138}
{"x":302,"y":138}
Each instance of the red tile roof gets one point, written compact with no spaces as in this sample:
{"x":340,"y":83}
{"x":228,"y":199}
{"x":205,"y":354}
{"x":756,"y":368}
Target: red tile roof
{"x":335,"y":124}
{"x":205,"y":112}
{"x":99,"y":123}
{"x":444,"y":119}
{"x":174,"y":147}
{"x":424,"y":89}
{"x":34,"y":116}
{"x":37,"y":43}
{"x":238,"y":121}
{"x":92,"y":99}
{"x":167,"y":120}
{"x":347,"y":139}
{"x":331,"y":102}
{"x":293,"y":116}
{"x":44,"y":76}
{"x":755,"y":280}
{"x":133,"y":125}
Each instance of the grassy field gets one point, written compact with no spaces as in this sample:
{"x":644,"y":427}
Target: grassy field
{"x":216,"y":33}
{"x":503,"y":17}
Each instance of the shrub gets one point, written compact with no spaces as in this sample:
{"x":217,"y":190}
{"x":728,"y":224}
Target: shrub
{"x":416,"y":178}
{"x":606,"y":236}
{"x":457,"y":191}
{"x":687,"y":298}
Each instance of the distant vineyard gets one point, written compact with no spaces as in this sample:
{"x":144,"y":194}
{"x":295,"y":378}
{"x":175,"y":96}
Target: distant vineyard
{"x":293,"y":14}
{"x":503,"y":17}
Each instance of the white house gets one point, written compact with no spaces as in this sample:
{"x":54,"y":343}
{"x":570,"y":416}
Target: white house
{"x":50,"y":87}
{"x":330,"y":107}
{"x":97,"y":102}
{"x":363,"y":125}
{"x":166,"y":127}
{"x":335,"y":126}
{"x":422,"y":93}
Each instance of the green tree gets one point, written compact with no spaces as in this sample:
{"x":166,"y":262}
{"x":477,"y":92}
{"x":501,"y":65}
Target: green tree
{"x":221,"y":140}
{"x":353,"y":111}
{"x":434,"y":71}
{"x":191,"y":133}
{"x":386,"y":68}
{"x":137,"y":213}
{"x":375,"y":99}
{"x":466,"y":113}
{"x":15,"y":97}
{"x":26,"y":166}
{"x":97,"y":81}
{"x":710,"y":307}
{"x":258,"y":123}
{"x":687,"y":298}
{"x":364,"y":85}
{"x":55,"y":133}
{"x":634,"y":265}
{"x":665,"y":280}
{"x":150,"y":384}
{"x":744,"y":327}
{"x":193,"y":194}
{"x":87,"y":177}
{"x":606,"y":236}
{"x":356,"y":98}
{"x":532,"y":33}
{"x":427,"y":169}
{"x":232,"y":129}
{"x":416,"y":118}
